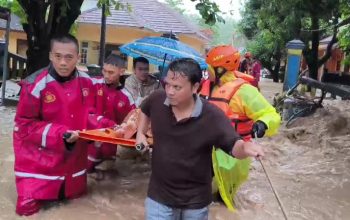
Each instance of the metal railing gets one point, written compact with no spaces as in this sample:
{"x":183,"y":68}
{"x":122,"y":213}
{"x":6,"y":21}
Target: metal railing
{"x":17,"y":66}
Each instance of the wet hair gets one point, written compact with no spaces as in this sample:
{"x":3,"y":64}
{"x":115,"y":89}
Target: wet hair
{"x":187,"y":67}
{"x":140,"y":60}
{"x":115,"y":60}
{"x":64,"y":38}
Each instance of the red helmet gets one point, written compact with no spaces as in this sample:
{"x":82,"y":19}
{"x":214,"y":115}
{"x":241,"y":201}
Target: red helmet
{"x":248,"y":55}
{"x":224,"y":56}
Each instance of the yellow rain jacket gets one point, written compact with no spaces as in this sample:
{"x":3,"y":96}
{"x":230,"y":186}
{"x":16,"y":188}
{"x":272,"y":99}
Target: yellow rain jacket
{"x":242,"y":101}
{"x":247,"y":101}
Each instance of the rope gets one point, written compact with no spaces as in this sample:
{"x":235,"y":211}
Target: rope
{"x":274,"y":191}
{"x":271,"y":185}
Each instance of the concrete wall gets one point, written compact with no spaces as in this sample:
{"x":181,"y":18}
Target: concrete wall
{"x":14,"y":36}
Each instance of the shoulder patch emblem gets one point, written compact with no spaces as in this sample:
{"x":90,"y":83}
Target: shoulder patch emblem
{"x":100,"y":92}
{"x":121,"y":104}
{"x":85,"y":91}
{"x":49,"y":97}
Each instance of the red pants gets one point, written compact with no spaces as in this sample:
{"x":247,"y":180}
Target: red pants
{"x":27,"y":206}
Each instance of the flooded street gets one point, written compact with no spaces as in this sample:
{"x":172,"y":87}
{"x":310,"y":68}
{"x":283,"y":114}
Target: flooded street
{"x":308,"y":163}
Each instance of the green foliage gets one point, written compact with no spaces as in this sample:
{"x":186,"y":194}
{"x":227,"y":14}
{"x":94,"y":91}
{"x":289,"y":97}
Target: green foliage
{"x":177,"y":5}
{"x":344,"y":35}
{"x":15,"y":8}
{"x":248,"y":25}
{"x":73,"y":29}
{"x":116,"y":4}
{"x":270,"y":24}
{"x":262,"y":46}
{"x":209,"y":11}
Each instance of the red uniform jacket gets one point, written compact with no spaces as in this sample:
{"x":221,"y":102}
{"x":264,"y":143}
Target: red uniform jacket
{"x":112,"y":103}
{"x":46,"y":110}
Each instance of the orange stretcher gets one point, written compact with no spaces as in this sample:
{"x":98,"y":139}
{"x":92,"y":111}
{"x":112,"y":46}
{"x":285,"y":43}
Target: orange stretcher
{"x":106,"y":135}
{"x":114,"y":135}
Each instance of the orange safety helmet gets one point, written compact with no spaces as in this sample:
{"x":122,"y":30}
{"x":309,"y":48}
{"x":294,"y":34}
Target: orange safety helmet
{"x":224,"y":56}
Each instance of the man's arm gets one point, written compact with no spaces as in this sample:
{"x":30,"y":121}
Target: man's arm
{"x":227,"y":135}
{"x":142,"y":129}
{"x":242,"y":149}
{"x":31,"y":129}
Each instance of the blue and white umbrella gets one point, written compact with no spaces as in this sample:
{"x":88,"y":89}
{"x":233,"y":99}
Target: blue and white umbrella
{"x":161,"y":50}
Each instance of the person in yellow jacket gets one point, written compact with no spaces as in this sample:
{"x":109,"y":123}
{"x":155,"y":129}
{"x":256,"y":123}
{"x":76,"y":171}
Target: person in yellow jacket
{"x":250,"y":113}
{"x":230,"y":90}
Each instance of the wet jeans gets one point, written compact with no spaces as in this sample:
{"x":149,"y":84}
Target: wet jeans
{"x":158,"y":211}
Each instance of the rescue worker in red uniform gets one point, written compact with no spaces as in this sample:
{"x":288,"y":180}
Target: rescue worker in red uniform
{"x":113,"y":102}
{"x":246,"y":64}
{"x":54,"y":101}
{"x":231,"y":91}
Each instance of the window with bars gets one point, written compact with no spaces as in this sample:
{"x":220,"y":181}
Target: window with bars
{"x":83,"y":52}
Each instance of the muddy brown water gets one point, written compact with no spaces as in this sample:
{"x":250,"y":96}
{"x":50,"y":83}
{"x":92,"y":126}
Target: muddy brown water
{"x":308,"y":163}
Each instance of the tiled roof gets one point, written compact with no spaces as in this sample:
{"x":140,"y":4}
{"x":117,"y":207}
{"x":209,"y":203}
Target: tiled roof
{"x":325,"y":41}
{"x":149,"y":14}
{"x":15,"y":24}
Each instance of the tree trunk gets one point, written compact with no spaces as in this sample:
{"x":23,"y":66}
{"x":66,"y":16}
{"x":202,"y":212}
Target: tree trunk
{"x":315,"y":38}
{"x":37,"y":58}
{"x":276,"y":70}
{"x":40,"y":28}
{"x":328,"y":53}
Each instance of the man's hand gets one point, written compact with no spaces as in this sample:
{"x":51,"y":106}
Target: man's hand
{"x":252,"y":149}
{"x":74,"y":136}
{"x":259,"y":129}
{"x":141,"y":142}
{"x":242,"y":150}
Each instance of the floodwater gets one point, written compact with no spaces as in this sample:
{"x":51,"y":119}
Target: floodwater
{"x":308,"y":164}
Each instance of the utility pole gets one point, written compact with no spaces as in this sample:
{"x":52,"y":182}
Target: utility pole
{"x":103,"y":36}
{"x":5,"y":14}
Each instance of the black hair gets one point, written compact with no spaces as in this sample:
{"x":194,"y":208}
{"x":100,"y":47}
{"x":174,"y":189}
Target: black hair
{"x":115,"y":60}
{"x":187,"y":67}
{"x":140,"y":60}
{"x":64,"y":38}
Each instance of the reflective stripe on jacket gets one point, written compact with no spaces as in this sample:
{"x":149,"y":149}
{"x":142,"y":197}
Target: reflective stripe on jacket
{"x":46,"y":110}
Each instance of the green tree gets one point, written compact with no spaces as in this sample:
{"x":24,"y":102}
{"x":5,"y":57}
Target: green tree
{"x":317,"y":14}
{"x":269,"y":25}
{"x":275,"y":22}
{"x":249,"y":22}
{"x":42,"y":20}
{"x":344,"y":34}
{"x":15,"y":8}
